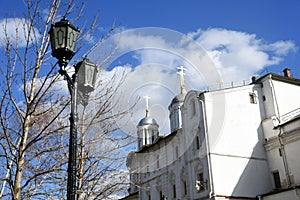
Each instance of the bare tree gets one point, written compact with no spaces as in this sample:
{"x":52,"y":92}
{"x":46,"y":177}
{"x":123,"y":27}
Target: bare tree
{"x":101,"y":154}
{"x":34,"y":117}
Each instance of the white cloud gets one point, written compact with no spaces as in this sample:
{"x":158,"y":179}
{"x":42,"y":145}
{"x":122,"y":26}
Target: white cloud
{"x":239,"y":54}
{"x":16,"y":29}
{"x":229,"y":55}
{"x":281,"y":48}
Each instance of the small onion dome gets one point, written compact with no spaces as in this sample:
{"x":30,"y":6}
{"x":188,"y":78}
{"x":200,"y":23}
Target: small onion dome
{"x":147,"y":121}
{"x":178,"y":99}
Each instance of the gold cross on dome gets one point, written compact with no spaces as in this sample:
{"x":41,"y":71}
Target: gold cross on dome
{"x":147,"y":104}
{"x":220,"y":83}
{"x":181,"y":75}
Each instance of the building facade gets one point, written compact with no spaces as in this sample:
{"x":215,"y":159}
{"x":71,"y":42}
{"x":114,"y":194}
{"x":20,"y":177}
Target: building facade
{"x":231,"y":143}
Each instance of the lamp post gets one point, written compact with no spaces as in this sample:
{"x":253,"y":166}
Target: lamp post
{"x":63,"y":37}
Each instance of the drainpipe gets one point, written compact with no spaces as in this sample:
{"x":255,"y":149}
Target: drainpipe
{"x":284,"y":158}
{"x":211,"y":193}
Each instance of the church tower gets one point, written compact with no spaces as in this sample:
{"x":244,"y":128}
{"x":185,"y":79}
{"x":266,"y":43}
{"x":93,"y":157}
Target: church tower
{"x":176,"y":103}
{"x":147,"y":128}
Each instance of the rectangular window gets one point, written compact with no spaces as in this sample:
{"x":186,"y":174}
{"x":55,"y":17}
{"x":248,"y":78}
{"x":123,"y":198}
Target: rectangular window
{"x":252,"y":97}
{"x":197,"y":143}
{"x":200,"y":180}
{"x":277,"y":181}
{"x":145,"y":139}
{"x":280,"y":152}
{"x":174,"y":190}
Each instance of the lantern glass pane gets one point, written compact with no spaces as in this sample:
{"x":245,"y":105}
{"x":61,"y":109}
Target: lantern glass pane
{"x":89,"y":74}
{"x":52,"y":38}
{"x":72,"y":38}
{"x":60,"y":37}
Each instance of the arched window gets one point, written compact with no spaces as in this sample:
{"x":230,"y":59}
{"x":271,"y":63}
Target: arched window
{"x":174,"y":190}
{"x":184,"y":186}
{"x":201,"y":182}
{"x":172,"y":182}
{"x":197,"y":142}
{"x":145,"y":137}
{"x":176,"y":120}
{"x":193,"y":107}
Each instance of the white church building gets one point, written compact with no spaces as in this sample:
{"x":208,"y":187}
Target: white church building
{"x":231,"y":143}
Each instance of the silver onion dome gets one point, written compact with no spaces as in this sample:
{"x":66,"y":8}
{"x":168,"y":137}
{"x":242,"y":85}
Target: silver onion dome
{"x":147,"y":121}
{"x":178,"y":99}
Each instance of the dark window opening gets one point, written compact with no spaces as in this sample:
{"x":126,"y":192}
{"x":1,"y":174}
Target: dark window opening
{"x":280,"y":152}
{"x":200,"y":179}
{"x":193,"y":108}
{"x":174,"y":191}
{"x":252,"y":97}
{"x":161,"y":196}
{"x":277,"y":181}
{"x":185,"y":188}
{"x":197,"y":143}
{"x":145,"y":137}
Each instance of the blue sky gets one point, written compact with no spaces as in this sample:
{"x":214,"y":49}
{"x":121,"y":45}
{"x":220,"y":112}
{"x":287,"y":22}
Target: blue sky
{"x":270,"y":20}
{"x":242,"y":38}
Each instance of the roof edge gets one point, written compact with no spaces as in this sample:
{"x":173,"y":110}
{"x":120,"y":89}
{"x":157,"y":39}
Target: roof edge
{"x":277,"y":77}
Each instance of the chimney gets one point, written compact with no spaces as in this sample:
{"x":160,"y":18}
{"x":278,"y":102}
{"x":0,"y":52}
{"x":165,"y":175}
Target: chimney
{"x":254,"y":78}
{"x":287,"y":72}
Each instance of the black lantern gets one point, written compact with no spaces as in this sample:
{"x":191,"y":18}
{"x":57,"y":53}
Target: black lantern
{"x":63,"y":37}
{"x":87,"y":72}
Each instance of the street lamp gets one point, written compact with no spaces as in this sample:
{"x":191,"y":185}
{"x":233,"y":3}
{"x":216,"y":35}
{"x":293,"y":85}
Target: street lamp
{"x":87,"y":72}
{"x":63,"y":37}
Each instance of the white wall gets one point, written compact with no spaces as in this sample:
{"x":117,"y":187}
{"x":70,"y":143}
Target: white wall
{"x":282,"y":98}
{"x":292,"y":152}
{"x":291,"y":144}
{"x":195,"y":159}
{"x":286,"y":97}
{"x":238,"y":160}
